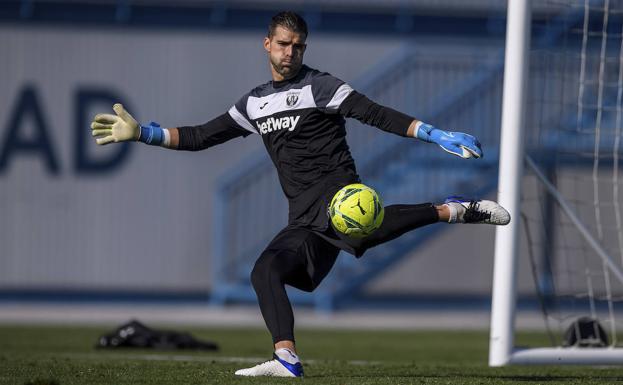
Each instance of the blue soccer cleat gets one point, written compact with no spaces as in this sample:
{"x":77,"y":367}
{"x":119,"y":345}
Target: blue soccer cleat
{"x":476,"y":211}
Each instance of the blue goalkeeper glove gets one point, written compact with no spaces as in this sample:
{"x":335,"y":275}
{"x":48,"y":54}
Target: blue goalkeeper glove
{"x":457,"y":143}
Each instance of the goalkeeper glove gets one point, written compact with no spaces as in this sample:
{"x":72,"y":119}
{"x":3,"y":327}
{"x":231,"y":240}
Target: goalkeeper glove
{"x":123,"y":127}
{"x":457,"y":143}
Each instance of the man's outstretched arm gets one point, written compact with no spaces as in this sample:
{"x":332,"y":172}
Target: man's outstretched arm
{"x":358,"y":106}
{"x":122,"y":127}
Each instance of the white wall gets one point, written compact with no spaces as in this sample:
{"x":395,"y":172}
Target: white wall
{"x":148,"y":223}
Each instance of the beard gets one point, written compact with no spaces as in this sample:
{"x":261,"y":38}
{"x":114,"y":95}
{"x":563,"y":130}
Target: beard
{"x":287,"y":71}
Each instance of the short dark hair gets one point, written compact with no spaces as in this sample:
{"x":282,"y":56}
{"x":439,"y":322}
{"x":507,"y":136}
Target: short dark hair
{"x":289,"y":20}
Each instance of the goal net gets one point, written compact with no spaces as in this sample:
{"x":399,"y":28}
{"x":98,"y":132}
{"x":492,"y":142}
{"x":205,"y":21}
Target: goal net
{"x":567,"y":230}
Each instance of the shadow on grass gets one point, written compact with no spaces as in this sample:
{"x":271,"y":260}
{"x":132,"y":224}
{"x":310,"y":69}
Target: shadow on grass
{"x":542,"y":378}
{"x":40,"y":381}
{"x":559,"y":375}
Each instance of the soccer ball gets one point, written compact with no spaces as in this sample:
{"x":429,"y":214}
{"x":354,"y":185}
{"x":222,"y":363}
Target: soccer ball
{"x":356,"y":210}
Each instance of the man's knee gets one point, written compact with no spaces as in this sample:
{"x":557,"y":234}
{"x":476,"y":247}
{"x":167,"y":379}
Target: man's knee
{"x":279,"y":267}
{"x":262,"y":269}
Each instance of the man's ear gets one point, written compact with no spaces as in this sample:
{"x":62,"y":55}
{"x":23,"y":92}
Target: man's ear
{"x":267,"y":44}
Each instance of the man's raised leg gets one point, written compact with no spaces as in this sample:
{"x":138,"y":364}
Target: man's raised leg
{"x":400,"y":219}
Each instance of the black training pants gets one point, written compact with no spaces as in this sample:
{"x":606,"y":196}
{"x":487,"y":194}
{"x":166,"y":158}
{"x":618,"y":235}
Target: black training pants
{"x":301,"y":258}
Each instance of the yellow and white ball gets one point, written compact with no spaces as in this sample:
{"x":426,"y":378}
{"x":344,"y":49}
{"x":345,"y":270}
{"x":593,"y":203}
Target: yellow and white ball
{"x":356,"y":210}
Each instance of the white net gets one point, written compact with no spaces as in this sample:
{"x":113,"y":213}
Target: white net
{"x":573,"y":139}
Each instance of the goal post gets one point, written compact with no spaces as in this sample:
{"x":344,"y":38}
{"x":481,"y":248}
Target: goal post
{"x":509,"y":179}
{"x":589,"y":147}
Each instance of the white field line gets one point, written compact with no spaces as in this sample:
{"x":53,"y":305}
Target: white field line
{"x":187,"y":358}
{"x":111,"y":314}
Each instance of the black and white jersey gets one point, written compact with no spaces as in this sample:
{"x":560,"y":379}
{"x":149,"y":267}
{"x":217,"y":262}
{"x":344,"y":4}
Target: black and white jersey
{"x":301,"y":122}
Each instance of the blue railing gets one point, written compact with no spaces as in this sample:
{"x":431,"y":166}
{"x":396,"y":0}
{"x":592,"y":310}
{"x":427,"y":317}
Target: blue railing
{"x":449,"y":89}
{"x":403,"y":170}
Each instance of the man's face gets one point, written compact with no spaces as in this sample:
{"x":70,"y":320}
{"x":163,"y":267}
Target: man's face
{"x":285,"y":52}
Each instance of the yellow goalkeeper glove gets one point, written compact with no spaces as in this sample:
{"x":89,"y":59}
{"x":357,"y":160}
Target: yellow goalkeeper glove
{"x":108,"y":128}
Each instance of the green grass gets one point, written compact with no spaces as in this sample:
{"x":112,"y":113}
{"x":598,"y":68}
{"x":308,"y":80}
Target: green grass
{"x":65,"y":355}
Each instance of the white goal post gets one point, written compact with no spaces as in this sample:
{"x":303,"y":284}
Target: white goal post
{"x":502,"y":350}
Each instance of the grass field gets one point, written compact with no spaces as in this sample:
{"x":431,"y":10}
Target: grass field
{"x":65,"y":355}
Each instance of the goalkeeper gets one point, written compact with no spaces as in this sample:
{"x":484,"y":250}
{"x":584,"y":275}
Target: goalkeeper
{"x":299,"y":116}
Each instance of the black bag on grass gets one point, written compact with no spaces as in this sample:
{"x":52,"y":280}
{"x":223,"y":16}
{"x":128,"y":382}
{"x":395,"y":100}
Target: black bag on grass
{"x":585,"y":332}
{"x":135,"y":334}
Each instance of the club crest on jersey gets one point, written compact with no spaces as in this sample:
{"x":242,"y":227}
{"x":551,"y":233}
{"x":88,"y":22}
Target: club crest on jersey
{"x":276,"y":124}
{"x":292,"y":98}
